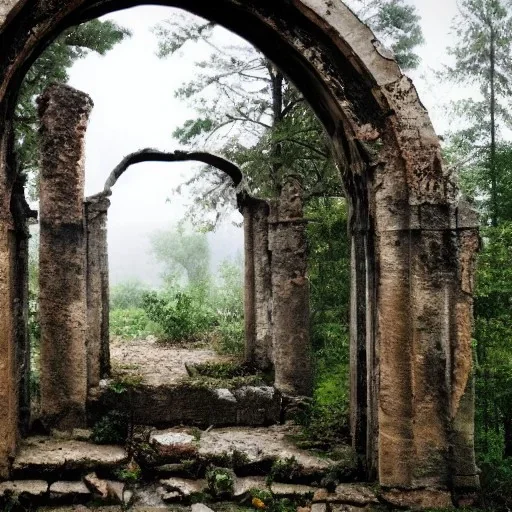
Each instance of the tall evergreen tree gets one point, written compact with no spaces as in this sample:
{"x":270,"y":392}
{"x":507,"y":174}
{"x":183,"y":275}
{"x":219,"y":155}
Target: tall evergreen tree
{"x":483,"y":58}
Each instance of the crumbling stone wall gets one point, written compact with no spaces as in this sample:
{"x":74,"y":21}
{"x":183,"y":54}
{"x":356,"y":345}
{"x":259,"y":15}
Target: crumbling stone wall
{"x":64,"y":114}
{"x":97,"y":285}
{"x":415,"y":421}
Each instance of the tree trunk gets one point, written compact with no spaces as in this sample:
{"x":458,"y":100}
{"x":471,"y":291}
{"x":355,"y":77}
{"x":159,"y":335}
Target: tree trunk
{"x":494,"y":178}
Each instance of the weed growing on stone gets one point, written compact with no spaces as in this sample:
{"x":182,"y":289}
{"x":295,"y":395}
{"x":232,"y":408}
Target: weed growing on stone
{"x":283,"y":470}
{"x":221,"y":482}
{"x":264,"y":499}
{"x":130,"y":473}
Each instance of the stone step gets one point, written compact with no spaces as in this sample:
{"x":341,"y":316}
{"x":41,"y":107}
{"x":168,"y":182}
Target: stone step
{"x":248,"y":451}
{"x":181,"y":452}
{"x":49,"y":458}
{"x":188,"y":403}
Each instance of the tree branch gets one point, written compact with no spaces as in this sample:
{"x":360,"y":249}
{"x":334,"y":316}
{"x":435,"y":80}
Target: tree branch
{"x":154,"y":155}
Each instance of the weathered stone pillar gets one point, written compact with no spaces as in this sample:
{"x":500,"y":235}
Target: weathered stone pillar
{"x":8,"y":374}
{"x":64,"y":114}
{"x":249,"y":284}
{"x":425,"y":390}
{"x":22,"y":214}
{"x":98,"y":351}
{"x":290,"y":293}
{"x":258,"y":285}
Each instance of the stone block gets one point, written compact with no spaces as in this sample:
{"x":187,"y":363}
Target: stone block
{"x":173,"y":445}
{"x":69,"y":492}
{"x":417,"y":499}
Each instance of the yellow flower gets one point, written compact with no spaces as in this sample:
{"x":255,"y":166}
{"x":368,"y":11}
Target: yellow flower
{"x":258,"y":503}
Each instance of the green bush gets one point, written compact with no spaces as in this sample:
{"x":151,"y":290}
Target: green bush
{"x":127,"y":295}
{"x":230,"y":337}
{"x":221,"y":482}
{"x":111,"y":429}
{"x":182,"y":315}
{"x":326,"y":420}
{"x":131,"y":324}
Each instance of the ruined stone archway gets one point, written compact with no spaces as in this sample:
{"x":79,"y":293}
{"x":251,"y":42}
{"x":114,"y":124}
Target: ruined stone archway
{"x":412,"y":244}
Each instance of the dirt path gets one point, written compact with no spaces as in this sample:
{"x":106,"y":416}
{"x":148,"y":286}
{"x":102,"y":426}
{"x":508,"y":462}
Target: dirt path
{"x":158,"y":363}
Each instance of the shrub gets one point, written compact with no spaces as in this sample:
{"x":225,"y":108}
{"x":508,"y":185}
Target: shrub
{"x":221,"y":482}
{"x":230,"y":337}
{"x":127,"y":295}
{"x":131,"y":324}
{"x":325,"y":422}
{"x":182,"y":315}
{"x":111,"y":429}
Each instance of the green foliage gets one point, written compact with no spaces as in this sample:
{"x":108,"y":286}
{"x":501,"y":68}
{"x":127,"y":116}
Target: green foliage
{"x":111,"y":429}
{"x":132,"y":324}
{"x":183,"y":316}
{"x":493,"y":339}
{"x":283,"y":470}
{"x":127,"y":295}
{"x":52,"y":66}
{"x":221,"y":482}
{"x":185,"y":255}
{"x":482,"y":58}
{"x":230,"y":337}
{"x":496,"y":483}
{"x":265,"y":499}
{"x":328,"y":269}
{"x":227,"y":300}
{"x":130,"y":473}
{"x":224,"y":370}
{"x":325,"y":421}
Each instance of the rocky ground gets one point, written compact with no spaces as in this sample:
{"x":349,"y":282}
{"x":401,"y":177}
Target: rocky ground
{"x":235,"y":454}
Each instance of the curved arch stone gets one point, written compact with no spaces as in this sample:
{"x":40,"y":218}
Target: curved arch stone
{"x":412,"y":244}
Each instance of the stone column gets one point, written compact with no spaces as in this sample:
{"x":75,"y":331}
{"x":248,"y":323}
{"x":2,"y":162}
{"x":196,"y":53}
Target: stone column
{"x":64,"y":114}
{"x":22,"y":214}
{"x":425,"y":390}
{"x":98,"y":350}
{"x":258,"y":285}
{"x":290,"y":293}
{"x":249,"y":285}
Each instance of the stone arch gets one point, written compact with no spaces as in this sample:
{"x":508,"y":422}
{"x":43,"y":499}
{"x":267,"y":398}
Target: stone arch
{"x":412,"y":243}
{"x":95,"y":214}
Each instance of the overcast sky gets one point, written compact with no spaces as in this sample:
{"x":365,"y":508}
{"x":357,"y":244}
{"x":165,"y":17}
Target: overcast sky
{"x":133,"y":93}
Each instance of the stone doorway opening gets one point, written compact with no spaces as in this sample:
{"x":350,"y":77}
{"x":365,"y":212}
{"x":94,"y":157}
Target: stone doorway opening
{"x":412,"y":242}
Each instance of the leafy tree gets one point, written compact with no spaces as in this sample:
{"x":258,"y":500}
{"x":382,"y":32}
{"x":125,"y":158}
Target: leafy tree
{"x":247,"y":110}
{"x":482,"y":58}
{"x":185,"y":255}
{"x":53,"y":66}
{"x":128,"y":294}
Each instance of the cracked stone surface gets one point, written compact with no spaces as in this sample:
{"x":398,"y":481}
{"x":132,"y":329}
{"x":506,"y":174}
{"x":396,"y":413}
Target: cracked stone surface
{"x":173,"y":444}
{"x":51,"y":454}
{"x":28,"y":487}
{"x":260,"y":444}
{"x":348,"y":493}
